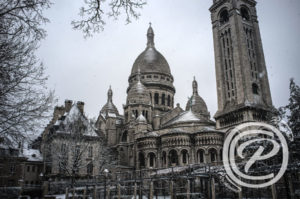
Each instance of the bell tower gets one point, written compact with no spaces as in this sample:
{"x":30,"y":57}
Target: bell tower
{"x":242,"y":80}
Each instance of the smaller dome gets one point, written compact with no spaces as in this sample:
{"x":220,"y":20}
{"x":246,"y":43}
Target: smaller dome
{"x":196,"y":103}
{"x":109,"y":107}
{"x":138,"y":94}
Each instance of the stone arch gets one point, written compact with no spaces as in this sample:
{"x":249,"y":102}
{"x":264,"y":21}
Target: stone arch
{"x":255,"y":89}
{"x":224,"y":16}
{"x":245,"y":13}
{"x":213,"y":155}
{"x":173,"y":157}
{"x":201,"y":156}
{"x":184,"y":156}
{"x":152,"y":159}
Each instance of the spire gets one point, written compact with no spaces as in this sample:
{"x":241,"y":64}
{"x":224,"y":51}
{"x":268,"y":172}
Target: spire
{"x":109,"y":94}
{"x":195,"y":86}
{"x":150,"y":37}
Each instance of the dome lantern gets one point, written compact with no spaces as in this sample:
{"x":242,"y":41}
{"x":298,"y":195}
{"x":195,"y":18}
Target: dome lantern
{"x":150,"y":37}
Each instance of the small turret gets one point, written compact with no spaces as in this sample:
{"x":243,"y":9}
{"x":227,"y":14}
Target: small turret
{"x":109,"y":108}
{"x":196,"y":103}
{"x":138,"y":93}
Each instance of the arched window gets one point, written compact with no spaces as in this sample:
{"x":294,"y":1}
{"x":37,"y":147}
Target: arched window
{"x":221,"y":154}
{"x":185,"y":157}
{"x":124,"y":136}
{"x":141,"y":160}
{"x":169,"y":100}
{"x":163,"y":100}
{"x":173,"y":157}
{"x":151,"y":159}
{"x":156,"y":96}
{"x":224,"y":16}
{"x":200,"y":156}
{"x":255,"y":89}
{"x":245,"y":14}
{"x":146,"y":115}
{"x":213,"y":155}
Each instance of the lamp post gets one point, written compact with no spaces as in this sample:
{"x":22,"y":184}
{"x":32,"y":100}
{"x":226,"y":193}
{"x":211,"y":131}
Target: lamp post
{"x":105,"y":177}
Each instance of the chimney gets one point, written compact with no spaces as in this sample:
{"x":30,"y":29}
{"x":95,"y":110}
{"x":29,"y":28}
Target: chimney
{"x":68,"y":105}
{"x":80,"y":106}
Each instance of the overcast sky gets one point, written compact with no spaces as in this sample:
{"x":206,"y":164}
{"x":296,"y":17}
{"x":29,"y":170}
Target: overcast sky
{"x":82,"y":69}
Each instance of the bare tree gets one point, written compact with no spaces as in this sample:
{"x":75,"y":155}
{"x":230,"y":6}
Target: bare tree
{"x":93,"y":13}
{"x":24,"y":99}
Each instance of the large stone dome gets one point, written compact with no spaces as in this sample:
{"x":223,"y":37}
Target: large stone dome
{"x":151,"y":72}
{"x":153,"y":67}
{"x":151,"y":61}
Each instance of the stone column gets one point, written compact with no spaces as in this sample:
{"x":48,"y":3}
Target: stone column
{"x":206,"y":157}
{"x":135,"y":190}
{"x":240,"y":193}
{"x":171,"y":190}
{"x":192,"y":156}
{"x":119,"y":191}
{"x":188,"y":189}
{"x":67,"y":193}
{"x":151,"y":190}
{"x":274,"y":192}
{"x":158,"y":160}
{"x":213,"y":190}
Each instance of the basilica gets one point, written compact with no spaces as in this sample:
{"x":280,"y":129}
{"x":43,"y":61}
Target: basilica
{"x":154,"y":131}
